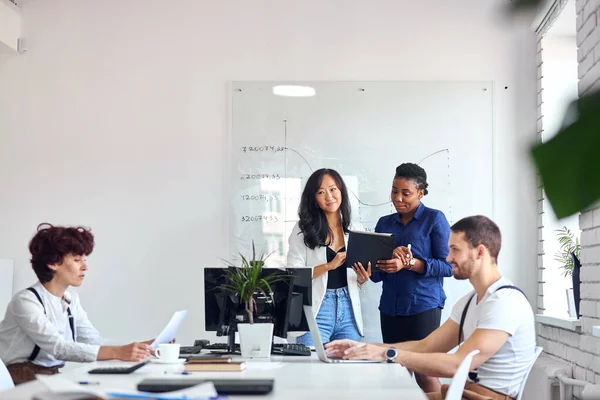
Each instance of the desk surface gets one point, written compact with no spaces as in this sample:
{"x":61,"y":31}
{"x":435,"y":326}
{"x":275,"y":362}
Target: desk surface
{"x":295,"y":378}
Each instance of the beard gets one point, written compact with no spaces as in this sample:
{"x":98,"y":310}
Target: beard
{"x":463,"y":271}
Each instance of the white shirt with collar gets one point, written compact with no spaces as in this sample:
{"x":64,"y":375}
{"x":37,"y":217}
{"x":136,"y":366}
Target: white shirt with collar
{"x":300,"y":256}
{"x":25,"y":325}
{"x":505,"y":310}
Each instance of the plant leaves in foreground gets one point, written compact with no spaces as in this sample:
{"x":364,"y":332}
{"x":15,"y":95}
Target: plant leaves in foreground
{"x":569,"y":163}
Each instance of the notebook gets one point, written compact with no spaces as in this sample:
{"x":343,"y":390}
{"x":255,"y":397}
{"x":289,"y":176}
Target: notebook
{"x":209,"y":359}
{"x":365,"y":247}
{"x":230,"y":366}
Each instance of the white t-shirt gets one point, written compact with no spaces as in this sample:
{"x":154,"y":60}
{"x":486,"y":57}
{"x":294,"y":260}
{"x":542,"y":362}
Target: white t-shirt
{"x":26,"y":325}
{"x":506,"y":310}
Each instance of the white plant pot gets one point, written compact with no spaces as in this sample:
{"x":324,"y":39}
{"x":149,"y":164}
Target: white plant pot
{"x":571,"y":304}
{"x":255,"y":340}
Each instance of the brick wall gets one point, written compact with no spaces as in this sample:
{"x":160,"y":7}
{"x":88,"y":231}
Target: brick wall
{"x":540,"y":192}
{"x":580,"y":349}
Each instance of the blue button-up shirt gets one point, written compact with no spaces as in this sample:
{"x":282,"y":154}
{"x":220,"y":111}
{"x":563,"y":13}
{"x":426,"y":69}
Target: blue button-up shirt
{"x":406,"y":292}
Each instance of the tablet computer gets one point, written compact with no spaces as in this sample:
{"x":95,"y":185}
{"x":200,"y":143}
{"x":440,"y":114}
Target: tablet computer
{"x":222,"y":386}
{"x":365,"y":247}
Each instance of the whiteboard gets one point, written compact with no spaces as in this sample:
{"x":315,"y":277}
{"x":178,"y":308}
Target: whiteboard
{"x":363,"y":130}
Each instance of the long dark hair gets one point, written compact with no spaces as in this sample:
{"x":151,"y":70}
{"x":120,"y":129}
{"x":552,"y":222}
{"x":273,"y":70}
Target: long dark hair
{"x":313,"y":222}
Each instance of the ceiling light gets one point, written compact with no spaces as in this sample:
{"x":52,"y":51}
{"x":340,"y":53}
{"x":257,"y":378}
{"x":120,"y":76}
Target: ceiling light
{"x":293,"y":91}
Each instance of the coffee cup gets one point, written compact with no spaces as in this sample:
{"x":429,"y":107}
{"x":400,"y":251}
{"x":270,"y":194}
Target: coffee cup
{"x":167,"y":351}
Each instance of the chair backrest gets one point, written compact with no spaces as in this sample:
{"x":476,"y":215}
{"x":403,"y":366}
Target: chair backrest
{"x":538,"y":351}
{"x":457,"y":385}
{"x":6,"y":382}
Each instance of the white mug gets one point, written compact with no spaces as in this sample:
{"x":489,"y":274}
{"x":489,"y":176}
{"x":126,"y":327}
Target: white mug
{"x":167,"y":351}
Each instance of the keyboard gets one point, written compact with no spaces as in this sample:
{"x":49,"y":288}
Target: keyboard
{"x":291,"y":349}
{"x":286,"y":349}
{"x":219,"y":346}
{"x":190,"y":349}
{"x":118,"y":369}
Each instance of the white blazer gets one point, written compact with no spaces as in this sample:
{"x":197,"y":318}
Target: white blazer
{"x":300,"y":256}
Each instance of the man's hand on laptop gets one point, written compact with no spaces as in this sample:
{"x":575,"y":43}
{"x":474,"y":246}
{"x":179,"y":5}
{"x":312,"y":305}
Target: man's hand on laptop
{"x":337,"y":348}
{"x":365,"y":351}
{"x":353,"y":350}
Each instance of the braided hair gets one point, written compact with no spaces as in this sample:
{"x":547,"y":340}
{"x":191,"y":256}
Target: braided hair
{"x":415,"y":173}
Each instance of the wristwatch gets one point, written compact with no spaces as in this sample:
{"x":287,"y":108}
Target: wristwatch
{"x":411,"y":264}
{"x":391,"y":354}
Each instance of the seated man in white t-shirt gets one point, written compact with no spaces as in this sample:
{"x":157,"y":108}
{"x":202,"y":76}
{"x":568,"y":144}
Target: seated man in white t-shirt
{"x":498,"y":322}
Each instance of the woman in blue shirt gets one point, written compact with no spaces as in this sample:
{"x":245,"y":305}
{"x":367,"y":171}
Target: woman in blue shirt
{"x":413,"y":294}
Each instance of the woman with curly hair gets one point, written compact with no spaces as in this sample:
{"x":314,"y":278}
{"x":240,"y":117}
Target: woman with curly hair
{"x":45,"y":324}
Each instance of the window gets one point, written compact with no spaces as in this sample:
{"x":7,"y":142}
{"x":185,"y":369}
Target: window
{"x":559,"y":88}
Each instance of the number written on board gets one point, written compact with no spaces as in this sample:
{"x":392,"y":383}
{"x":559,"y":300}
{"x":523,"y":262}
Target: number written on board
{"x":263,"y":149}
{"x":260,"y":218}
{"x":246,"y":177}
{"x":260,"y":197}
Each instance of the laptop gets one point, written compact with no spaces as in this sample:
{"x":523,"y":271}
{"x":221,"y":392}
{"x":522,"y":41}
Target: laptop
{"x":314,"y":331}
{"x":222,"y":386}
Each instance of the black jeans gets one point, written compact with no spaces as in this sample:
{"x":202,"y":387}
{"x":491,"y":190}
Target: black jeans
{"x":395,"y":329}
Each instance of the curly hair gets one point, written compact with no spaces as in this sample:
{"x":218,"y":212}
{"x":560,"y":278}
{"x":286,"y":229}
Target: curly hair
{"x":313,"y":222}
{"x":51,"y":244}
{"x":415,"y":173}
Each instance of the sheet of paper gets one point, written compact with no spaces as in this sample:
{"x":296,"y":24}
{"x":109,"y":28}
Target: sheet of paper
{"x":262,"y":365}
{"x":169,"y":331}
{"x":202,"y":391}
{"x":58,"y":384}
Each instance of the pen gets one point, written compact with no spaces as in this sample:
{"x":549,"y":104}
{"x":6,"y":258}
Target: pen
{"x":88,"y":383}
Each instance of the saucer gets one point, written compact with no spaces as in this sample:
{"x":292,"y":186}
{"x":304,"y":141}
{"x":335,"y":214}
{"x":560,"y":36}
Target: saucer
{"x":161,"y":361}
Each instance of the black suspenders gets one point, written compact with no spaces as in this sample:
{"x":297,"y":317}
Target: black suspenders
{"x":36,"y":349}
{"x":473,"y":375}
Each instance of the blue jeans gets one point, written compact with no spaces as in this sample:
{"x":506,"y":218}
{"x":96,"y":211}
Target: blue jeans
{"x":335,"y":318}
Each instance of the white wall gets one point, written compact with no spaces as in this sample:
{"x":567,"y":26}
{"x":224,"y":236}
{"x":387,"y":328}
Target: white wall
{"x":116,"y":118}
{"x":10,"y":26}
{"x":6,"y":283}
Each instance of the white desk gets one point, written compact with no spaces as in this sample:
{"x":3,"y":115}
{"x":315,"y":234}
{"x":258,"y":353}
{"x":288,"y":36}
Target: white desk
{"x":300,"y":378}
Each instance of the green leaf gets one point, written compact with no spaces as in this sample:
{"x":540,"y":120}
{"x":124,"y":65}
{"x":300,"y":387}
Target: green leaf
{"x":569,"y":243}
{"x":568,"y":163}
{"x":525,"y":4}
{"x":247,"y":282}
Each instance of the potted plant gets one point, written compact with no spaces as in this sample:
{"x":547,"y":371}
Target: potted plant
{"x":568,"y":255}
{"x":247,"y":284}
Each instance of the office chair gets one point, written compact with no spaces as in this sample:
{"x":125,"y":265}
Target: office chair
{"x":457,"y":386}
{"x":538,"y":351}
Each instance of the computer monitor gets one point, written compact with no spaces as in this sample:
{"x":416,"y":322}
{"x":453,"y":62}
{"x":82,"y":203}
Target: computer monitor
{"x":216,"y":301}
{"x":222,"y":311}
{"x":290,"y":295}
